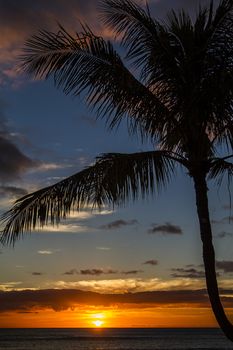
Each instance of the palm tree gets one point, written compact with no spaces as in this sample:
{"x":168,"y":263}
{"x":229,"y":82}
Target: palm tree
{"x":180,"y":98}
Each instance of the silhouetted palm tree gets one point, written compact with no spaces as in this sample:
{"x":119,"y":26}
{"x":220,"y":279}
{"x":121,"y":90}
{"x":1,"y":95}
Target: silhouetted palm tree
{"x":181,"y":99}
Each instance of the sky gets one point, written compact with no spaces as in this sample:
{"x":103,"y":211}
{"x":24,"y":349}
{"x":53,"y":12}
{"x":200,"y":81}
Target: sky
{"x":135,"y":266}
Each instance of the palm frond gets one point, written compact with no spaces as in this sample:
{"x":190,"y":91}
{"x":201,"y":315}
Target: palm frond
{"x":88,"y":64}
{"x":220,"y":168}
{"x":224,"y":8}
{"x":113,"y":179}
{"x":149,"y":44}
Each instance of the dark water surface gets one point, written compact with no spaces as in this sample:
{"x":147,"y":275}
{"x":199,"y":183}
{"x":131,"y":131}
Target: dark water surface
{"x":113,"y":339}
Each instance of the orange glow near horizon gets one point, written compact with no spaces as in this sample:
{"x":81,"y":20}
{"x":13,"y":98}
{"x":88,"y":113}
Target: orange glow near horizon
{"x":118,"y":317}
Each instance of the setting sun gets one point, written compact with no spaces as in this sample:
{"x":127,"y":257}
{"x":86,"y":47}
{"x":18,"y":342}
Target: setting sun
{"x":98,"y":319}
{"x":98,"y":323}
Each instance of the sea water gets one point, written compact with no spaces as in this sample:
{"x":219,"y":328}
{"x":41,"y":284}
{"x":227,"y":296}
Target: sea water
{"x":113,"y":339}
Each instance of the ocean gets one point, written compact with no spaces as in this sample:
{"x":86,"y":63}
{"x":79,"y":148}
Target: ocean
{"x":113,"y":339}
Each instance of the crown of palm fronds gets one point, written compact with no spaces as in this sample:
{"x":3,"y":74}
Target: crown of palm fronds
{"x":179,"y":96}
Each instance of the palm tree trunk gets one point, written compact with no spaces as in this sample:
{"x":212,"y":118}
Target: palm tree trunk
{"x":209,"y":254}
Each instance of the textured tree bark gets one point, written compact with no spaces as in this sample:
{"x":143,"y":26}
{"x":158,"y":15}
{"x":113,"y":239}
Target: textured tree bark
{"x":209,"y":254}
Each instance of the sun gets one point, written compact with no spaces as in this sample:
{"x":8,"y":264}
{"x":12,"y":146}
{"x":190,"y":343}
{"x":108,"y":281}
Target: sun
{"x":98,"y":323}
{"x":97,"y":319}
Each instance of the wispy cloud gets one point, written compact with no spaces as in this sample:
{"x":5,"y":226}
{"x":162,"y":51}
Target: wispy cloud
{"x":187,"y":273}
{"x":103,"y":248}
{"x":52,"y":166}
{"x":100,"y":271}
{"x":131,"y":272}
{"x":166,"y":229}
{"x":97,"y":272}
{"x":69,"y":228}
{"x":45,"y":252}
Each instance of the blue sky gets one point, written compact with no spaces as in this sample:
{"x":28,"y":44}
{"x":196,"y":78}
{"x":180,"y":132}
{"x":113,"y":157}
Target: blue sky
{"x":147,"y":245}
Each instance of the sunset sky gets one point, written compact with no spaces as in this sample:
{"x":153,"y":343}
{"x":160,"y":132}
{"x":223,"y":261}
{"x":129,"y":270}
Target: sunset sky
{"x":136,"y":266}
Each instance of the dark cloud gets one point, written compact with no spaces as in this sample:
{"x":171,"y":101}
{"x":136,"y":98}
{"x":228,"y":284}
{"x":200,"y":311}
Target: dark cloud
{"x":63,"y":299}
{"x":91,"y":272}
{"x":71,"y":272}
{"x":225,"y":265}
{"x":21,"y":19}
{"x":97,"y":272}
{"x":37,"y":273}
{"x":166,"y":229}
{"x":12,"y":161}
{"x":227,"y":207}
{"x":187,"y":273}
{"x":131,"y":272}
{"x":12,"y":191}
{"x":225,"y":220}
{"x":224,"y":234}
{"x":117,"y":224}
{"x":152,"y":262}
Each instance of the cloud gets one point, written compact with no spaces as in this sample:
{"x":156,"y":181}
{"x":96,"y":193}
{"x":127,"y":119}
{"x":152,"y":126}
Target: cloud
{"x":64,"y":299}
{"x":51,"y":166}
{"x":224,"y":220}
{"x":103,"y":248}
{"x":152,"y":262}
{"x":45,"y":252}
{"x":225,"y":265}
{"x":97,"y":272}
{"x":19,"y":20}
{"x":226,"y":207}
{"x":187,"y":273}
{"x":5,"y":286}
{"x":12,"y":191}
{"x":131,"y":272}
{"x":166,"y":229}
{"x":69,"y":227}
{"x":117,"y":224}
{"x":71,"y":272}
{"x":224,"y":234}
{"x":12,"y":161}
{"x":37,"y":273}
{"x":124,"y":285}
